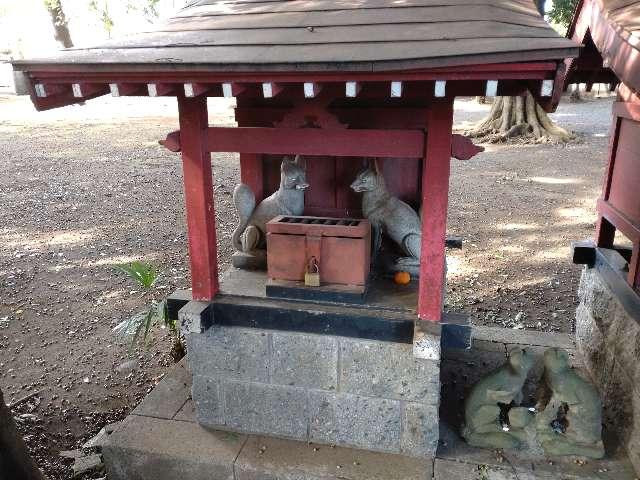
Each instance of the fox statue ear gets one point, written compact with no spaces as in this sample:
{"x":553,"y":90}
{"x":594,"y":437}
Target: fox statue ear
{"x":370,"y":163}
{"x":376,"y":167}
{"x":285,"y":161}
{"x":300,"y":162}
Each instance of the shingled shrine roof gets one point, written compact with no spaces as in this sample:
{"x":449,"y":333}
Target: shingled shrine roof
{"x":610,"y":31}
{"x":320,"y":35}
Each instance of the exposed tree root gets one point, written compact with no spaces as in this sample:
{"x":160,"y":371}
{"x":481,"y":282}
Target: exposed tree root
{"x":518,"y":119}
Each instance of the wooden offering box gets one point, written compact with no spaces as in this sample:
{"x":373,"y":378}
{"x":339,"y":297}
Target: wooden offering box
{"x":341,"y":247}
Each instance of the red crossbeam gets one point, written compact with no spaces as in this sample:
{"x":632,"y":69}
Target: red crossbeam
{"x":462,"y":147}
{"x":313,"y":141}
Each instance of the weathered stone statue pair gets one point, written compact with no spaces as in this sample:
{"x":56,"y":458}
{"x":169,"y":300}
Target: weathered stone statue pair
{"x":566,"y":421}
{"x":388,"y":215}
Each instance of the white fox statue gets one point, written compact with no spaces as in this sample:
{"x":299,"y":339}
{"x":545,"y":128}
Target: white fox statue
{"x":250,"y":235}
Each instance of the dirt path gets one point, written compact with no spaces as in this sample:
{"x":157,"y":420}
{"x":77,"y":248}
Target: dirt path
{"x":85,"y":188}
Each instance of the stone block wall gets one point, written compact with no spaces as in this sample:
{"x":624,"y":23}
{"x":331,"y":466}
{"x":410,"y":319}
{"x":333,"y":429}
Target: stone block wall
{"x":324,"y":389}
{"x":609,"y":340}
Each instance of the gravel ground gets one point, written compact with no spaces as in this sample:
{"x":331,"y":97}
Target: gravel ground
{"x":86,"y":188}
{"x":518,"y":208}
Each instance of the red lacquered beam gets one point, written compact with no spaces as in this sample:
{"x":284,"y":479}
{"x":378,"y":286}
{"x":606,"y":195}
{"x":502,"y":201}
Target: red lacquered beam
{"x":312,"y":141}
{"x":462,"y":148}
{"x":522,"y":71}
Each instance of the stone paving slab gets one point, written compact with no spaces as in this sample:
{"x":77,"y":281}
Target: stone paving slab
{"x":145,"y":448}
{"x":187,"y":413}
{"x":523,"y":337}
{"x":615,"y":466}
{"x":168,"y":397}
{"x":265,"y":458}
{"x":455,"y":470}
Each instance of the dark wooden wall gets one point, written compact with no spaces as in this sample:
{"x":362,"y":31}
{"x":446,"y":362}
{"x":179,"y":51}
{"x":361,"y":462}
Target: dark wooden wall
{"x":330,"y":177}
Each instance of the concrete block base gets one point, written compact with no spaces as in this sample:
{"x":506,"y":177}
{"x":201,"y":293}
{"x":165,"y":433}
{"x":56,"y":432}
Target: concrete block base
{"x":325,"y":389}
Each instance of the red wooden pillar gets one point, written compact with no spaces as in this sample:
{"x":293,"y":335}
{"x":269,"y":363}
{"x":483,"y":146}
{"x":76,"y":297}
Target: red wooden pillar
{"x":198,"y":190}
{"x":435,"y":199}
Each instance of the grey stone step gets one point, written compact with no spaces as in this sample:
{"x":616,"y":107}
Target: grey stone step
{"x":146,"y":448}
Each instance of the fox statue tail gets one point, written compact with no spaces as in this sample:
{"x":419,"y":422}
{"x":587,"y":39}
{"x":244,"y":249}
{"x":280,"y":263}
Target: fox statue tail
{"x":245,"y":202}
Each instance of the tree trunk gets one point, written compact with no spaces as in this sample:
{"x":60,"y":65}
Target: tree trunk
{"x":575,"y":95}
{"x":518,"y":118}
{"x":59,"y":22}
{"x":15,"y":461}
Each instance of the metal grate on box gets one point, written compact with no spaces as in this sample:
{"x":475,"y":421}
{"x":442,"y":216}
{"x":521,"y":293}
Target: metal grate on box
{"x":347,"y":222}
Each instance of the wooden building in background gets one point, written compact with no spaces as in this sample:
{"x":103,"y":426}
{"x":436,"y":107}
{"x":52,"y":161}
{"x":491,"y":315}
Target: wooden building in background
{"x":608,"y":316}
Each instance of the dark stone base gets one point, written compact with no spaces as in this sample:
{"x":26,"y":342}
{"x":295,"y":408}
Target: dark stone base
{"x":386,"y":313}
{"x":312,"y":317}
{"x":354,"y":294}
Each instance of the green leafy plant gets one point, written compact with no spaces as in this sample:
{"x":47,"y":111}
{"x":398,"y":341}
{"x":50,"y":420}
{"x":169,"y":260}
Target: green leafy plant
{"x":142,"y":273}
{"x":562,"y":12}
{"x":101,"y":9}
{"x":139,"y":326}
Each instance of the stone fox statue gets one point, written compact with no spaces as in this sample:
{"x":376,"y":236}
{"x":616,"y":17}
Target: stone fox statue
{"x":389,"y":215}
{"x":499,"y":390}
{"x":287,"y":200}
{"x":571,"y":422}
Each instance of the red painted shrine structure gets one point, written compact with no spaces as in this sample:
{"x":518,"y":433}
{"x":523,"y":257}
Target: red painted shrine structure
{"x":335,"y":81}
{"x":610,"y":32}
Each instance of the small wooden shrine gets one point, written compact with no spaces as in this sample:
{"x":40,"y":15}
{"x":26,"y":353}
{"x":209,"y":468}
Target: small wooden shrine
{"x":330,"y":79}
{"x":338,"y":84}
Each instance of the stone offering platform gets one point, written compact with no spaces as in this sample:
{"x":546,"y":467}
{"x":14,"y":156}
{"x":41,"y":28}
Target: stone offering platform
{"x":161,"y":440}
